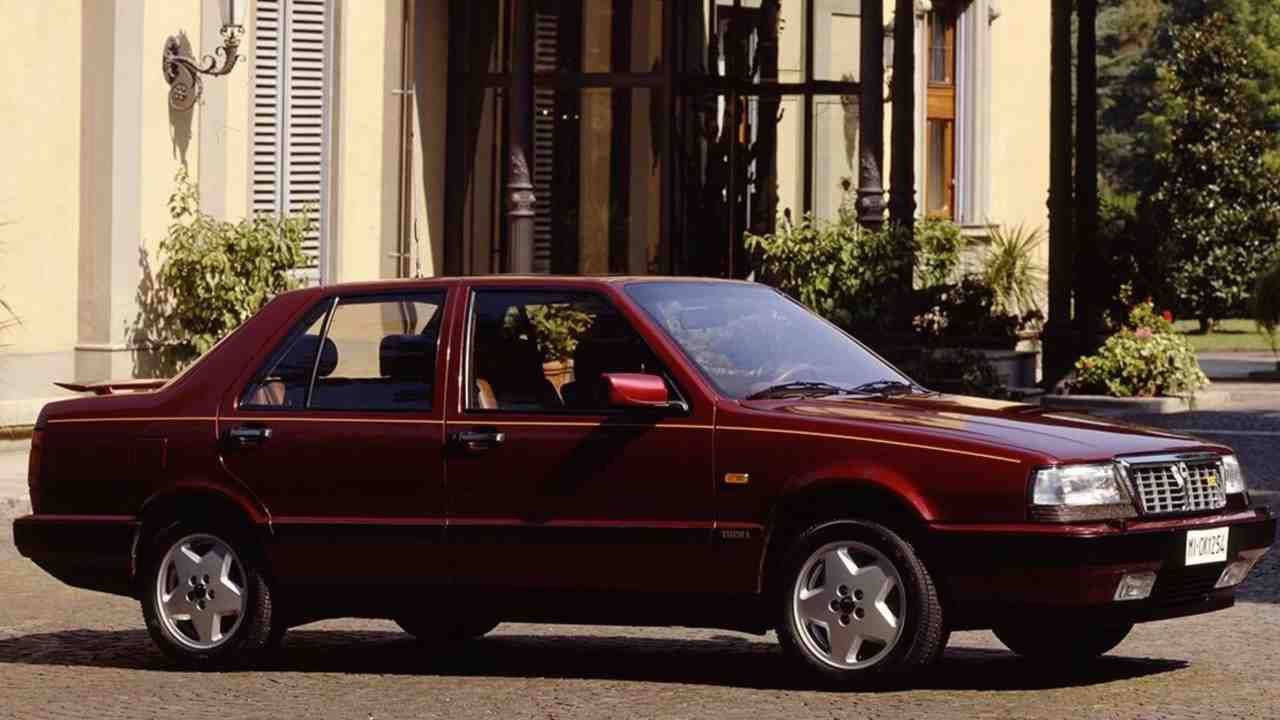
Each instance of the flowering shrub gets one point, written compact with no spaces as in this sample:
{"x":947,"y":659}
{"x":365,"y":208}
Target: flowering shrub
{"x":1144,"y":359}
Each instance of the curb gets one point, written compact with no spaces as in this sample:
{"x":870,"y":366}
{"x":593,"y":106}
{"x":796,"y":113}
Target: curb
{"x":16,"y":432}
{"x":1208,"y":400}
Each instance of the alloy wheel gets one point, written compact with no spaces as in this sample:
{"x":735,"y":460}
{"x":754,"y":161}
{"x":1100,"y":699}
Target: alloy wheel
{"x":200,"y":592}
{"x":848,"y":605}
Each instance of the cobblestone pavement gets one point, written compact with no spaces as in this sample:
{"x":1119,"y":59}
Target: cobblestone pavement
{"x":72,"y":653}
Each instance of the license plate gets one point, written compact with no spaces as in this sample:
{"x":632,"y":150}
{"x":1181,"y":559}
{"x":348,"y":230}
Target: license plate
{"x":1207,"y":546}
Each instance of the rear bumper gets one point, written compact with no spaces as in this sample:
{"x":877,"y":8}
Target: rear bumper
{"x":1004,"y":571}
{"x":87,"y":551}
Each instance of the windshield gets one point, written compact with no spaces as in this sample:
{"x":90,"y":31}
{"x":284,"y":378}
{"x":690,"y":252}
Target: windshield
{"x":751,"y":339}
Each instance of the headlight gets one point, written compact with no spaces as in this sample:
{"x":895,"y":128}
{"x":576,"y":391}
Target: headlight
{"x":1232,"y":475}
{"x":1071,"y":493}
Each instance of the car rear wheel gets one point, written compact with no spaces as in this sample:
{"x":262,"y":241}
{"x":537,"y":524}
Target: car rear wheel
{"x":445,"y":630}
{"x":205,"y":601}
{"x":1062,"y":643}
{"x":858,"y":604}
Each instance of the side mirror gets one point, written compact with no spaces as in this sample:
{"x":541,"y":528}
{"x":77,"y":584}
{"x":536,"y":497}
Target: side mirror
{"x":635,"y":390}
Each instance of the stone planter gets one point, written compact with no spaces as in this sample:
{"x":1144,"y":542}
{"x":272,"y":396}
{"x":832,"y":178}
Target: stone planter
{"x":1105,"y":405}
{"x":1018,"y":368}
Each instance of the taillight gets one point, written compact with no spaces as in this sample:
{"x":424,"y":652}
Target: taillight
{"x":34,"y":462}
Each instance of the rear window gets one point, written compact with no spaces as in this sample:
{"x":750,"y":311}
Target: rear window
{"x":356,"y":353}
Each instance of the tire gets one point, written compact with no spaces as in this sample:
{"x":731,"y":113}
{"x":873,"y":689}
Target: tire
{"x":455,"y":629}
{"x":1057,"y":643}
{"x":883,"y":605}
{"x":190,"y":602}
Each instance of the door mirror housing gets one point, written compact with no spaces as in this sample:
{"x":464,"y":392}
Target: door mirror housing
{"x":635,"y":390}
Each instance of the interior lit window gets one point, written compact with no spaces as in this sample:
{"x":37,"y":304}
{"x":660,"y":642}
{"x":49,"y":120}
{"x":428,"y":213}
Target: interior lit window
{"x":939,"y":185}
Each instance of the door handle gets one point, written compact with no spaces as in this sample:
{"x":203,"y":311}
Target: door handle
{"x":244,"y":435}
{"x":477,"y":441}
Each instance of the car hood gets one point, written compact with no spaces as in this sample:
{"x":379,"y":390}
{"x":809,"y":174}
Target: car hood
{"x":1057,"y":436}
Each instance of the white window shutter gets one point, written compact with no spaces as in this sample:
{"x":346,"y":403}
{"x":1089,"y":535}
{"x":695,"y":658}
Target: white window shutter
{"x":290,"y":120}
{"x":267,"y":187}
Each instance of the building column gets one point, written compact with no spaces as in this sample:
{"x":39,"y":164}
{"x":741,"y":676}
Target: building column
{"x":520,"y":197}
{"x":871,"y":127}
{"x":973,"y":113}
{"x":110,"y":188}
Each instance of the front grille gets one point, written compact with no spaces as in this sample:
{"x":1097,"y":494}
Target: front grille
{"x":1178,"y":487}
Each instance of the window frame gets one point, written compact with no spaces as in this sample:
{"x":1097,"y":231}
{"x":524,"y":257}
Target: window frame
{"x":680,"y":404}
{"x":330,"y":307}
{"x":941,"y":105}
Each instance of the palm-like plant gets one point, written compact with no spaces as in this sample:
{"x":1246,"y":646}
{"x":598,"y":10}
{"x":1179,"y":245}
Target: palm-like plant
{"x":8,"y":318}
{"x":1010,"y":269}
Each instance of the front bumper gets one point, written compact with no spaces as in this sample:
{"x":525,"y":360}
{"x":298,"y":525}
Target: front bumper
{"x":989,"y":572}
{"x":94,"y":552}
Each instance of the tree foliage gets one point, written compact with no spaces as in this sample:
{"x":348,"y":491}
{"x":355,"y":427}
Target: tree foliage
{"x":1133,"y":38}
{"x":1266,"y":305}
{"x":1213,"y":199}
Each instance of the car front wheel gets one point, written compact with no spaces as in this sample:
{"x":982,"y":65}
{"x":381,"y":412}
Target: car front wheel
{"x":205,"y":602}
{"x":858,"y":604}
{"x":1055,"y":642}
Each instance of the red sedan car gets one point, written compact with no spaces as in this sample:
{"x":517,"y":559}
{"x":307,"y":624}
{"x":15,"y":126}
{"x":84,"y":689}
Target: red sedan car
{"x":455,"y":453}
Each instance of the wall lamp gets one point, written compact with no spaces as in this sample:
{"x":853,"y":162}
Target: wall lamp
{"x":183,"y":72}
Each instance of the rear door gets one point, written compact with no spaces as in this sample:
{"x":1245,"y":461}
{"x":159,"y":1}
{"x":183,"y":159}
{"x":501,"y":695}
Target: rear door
{"x":550,"y":488}
{"x":340,"y":433}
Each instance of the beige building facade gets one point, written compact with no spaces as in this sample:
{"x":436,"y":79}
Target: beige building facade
{"x":655,"y":138}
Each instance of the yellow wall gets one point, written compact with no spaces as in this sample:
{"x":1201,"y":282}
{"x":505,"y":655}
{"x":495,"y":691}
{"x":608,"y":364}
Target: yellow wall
{"x":170,"y":139}
{"x":39,"y":186}
{"x":367,"y":187}
{"x":1020,"y":115}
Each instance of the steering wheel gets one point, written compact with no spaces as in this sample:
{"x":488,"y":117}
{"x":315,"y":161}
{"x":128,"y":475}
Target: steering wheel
{"x":785,"y":377}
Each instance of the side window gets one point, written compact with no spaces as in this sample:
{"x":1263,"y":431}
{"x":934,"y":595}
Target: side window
{"x":285,"y":379}
{"x":545,"y":351}
{"x":368,"y":353}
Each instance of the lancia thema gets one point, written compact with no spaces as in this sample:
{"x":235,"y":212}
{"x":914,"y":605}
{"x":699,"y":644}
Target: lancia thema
{"x":455,"y":453}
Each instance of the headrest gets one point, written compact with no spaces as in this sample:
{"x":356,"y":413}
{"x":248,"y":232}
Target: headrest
{"x":406,"y":357}
{"x":296,"y":364}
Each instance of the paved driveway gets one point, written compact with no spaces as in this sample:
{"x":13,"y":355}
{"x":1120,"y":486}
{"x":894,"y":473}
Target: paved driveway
{"x":71,"y":653}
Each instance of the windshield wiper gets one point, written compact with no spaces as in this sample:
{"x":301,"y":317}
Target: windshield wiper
{"x":889,"y":387}
{"x":797,"y":389}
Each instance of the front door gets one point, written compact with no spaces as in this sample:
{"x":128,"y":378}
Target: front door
{"x":548,"y":486}
{"x":340,"y":434}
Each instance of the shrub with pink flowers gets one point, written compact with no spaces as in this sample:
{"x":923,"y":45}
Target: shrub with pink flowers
{"x":1146,"y":358}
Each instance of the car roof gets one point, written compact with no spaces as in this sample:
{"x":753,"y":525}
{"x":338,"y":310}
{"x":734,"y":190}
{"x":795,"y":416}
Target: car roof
{"x":516,"y":281}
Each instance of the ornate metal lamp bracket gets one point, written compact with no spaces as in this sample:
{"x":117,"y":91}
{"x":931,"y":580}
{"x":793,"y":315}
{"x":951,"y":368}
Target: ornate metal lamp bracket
{"x":183,"y":72}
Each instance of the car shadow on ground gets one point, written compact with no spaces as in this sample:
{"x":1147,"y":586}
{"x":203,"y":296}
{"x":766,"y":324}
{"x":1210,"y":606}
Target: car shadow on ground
{"x":729,"y":661}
